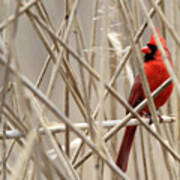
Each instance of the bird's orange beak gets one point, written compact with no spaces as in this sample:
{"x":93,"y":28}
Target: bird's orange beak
{"x":146,"y":50}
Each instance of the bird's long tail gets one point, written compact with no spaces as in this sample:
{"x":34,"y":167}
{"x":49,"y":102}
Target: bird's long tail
{"x":125,"y":147}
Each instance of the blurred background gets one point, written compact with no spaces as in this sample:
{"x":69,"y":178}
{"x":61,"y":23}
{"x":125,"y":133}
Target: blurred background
{"x":97,"y":32}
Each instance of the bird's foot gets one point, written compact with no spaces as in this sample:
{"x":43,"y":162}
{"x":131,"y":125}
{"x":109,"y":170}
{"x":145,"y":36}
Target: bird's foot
{"x":160,"y":117}
{"x":148,"y":116}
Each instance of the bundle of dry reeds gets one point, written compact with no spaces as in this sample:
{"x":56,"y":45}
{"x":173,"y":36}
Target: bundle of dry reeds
{"x":66,"y":71}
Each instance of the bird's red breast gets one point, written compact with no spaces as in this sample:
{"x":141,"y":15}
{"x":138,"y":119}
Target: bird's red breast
{"x":156,"y":73}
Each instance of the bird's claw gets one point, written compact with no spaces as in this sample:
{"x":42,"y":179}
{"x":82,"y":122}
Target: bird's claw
{"x":148,"y":115}
{"x":160,"y":118}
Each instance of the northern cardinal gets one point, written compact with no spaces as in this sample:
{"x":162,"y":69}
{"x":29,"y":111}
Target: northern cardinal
{"x":156,"y":73}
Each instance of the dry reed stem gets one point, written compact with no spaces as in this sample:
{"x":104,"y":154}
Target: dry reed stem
{"x":176,"y":55}
{"x":56,"y":67}
{"x":19,"y":118}
{"x":25,"y":155}
{"x":144,"y":159}
{"x":127,"y":118}
{"x":103,"y":61}
{"x":66,"y":94}
{"x":28,"y":84}
{"x":60,"y":128}
{"x":9,"y":38}
{"x":60,"y":115}
{"x":93,"y":44}
{"x":169,"y":26}
{"x":12,"y":18}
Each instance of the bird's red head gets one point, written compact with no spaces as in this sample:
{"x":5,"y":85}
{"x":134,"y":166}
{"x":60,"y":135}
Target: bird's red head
{"x":151,"y":49}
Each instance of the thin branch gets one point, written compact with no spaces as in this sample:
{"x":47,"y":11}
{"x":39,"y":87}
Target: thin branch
{"x":59,"y":127}
{"x":13,"y":17}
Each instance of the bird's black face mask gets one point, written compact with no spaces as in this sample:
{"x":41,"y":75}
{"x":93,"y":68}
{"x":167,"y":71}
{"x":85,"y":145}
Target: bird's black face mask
{"x":150,"y":56}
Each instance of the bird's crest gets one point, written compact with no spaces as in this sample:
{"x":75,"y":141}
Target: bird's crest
{"x":152,"y":39}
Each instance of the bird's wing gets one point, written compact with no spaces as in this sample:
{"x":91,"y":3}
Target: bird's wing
{"x":136,"y":94}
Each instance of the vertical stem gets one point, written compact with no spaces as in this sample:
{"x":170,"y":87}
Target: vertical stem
{"x":113,"y":108}
{"x":135,"y":160}
{"x":92,"y":44}
{"x":67,"y":134}
{"x":176,"y":62}
{"x":103,"y":62}
{"x":144,"y":154}
{"x":10,"y":35}
{"x":135,"y":152}
{"x":151,"y":155}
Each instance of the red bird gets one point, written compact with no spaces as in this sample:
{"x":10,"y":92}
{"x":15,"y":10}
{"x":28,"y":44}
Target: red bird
{"x":156,"y":73}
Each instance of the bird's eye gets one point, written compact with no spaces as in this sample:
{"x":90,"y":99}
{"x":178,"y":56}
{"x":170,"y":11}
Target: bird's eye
{"x":150,"y":56}
{"x":152,"y":47}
